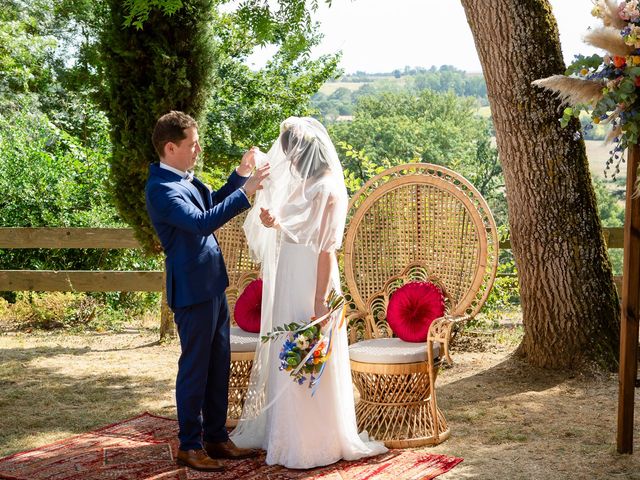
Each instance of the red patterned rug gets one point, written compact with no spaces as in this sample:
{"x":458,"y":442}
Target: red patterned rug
{"x":144,"y":447}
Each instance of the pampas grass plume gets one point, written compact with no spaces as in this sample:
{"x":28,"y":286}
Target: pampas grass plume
{"x":572,"y":90}
{"x":610,"y":15}
{"x":609,"y":39}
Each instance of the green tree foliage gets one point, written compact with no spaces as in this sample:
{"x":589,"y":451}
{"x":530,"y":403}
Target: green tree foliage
{"x":25,"y":51}
{"x":80,"y":94}
{"x":358,"y":166}
{"x":611,"y":212}
{"x":247,"y":106}
{"x":394,"y":128}
{"x":48,"y":50}
{"x":164,"y":66}
{"x":49,"y":178}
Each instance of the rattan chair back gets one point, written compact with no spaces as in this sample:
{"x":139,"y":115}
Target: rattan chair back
{"x":427,"y":215}
{"x":240,"y":267}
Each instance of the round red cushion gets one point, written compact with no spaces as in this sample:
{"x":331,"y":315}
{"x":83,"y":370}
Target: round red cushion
{"x":412,"y":308}
{"x":248,"y":307}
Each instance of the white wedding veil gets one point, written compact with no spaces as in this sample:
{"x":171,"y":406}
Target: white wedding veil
{"x":305,"y":192}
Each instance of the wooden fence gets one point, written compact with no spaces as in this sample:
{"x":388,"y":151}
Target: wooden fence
{"x":73,"y":280}
{"x":117,"y":281}
{"x":81,"y":280}
{"x":109,"y":280}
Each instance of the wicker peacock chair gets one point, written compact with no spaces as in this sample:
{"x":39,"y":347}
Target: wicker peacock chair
{"x":241,"y":271}
{"x":413,"y":222}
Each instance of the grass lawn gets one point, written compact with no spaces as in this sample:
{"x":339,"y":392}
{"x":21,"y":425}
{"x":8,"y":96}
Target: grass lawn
{"x":508,"y":421}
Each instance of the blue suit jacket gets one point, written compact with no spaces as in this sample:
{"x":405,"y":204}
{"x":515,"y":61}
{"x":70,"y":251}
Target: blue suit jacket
{"x":184,"y":222}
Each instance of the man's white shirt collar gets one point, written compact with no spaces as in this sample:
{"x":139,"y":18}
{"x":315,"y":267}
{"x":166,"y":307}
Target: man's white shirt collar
{"x":174,"y":170}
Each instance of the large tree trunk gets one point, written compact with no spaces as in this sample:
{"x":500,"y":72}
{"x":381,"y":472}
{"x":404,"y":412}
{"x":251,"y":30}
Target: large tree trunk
{"x":569,"y":302}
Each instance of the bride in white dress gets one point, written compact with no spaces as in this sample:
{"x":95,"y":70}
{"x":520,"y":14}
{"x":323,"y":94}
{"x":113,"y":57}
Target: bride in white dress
{"x":293,"y":231}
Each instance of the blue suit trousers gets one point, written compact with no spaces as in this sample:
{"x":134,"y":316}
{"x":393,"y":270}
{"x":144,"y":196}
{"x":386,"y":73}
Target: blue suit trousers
{"x":202,"y":384}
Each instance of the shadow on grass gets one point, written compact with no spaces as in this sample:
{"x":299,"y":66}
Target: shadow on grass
{"x":506,"y":379}
{"x":45,"y":351}
{"x":513,"y":403}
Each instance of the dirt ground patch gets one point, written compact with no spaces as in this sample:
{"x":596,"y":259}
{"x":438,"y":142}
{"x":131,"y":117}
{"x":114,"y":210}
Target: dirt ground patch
{"x":508,"y":420}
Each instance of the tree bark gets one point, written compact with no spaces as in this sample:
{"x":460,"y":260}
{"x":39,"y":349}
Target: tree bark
{"x":570,"y":306}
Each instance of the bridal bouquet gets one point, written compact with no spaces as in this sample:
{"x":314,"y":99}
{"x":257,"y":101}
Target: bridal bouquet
{"x":306,"y":349}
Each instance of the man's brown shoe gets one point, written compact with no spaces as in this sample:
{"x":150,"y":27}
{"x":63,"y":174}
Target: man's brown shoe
{"x":198,"y":460}
{"x":228,"y":450}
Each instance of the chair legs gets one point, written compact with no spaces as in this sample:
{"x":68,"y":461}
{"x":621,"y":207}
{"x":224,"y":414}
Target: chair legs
{"x":397,"y":406}
{"x":241,"y":363}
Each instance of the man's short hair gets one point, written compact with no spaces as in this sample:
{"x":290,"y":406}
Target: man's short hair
{"x":170,"y":128}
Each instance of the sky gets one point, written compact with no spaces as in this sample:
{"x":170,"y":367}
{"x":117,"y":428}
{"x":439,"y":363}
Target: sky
{"x":384,"y":35}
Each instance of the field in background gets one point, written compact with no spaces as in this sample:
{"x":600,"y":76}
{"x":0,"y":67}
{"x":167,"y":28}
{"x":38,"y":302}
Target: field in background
{"x":484,"y":112}
{"x":598,"y":154}
{"x":330,"y":87}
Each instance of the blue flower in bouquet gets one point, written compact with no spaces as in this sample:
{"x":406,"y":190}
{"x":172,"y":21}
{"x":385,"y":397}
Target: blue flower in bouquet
{"x":286,"y":348}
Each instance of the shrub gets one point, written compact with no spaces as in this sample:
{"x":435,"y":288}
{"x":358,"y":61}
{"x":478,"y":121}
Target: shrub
{"x":73,"y":311}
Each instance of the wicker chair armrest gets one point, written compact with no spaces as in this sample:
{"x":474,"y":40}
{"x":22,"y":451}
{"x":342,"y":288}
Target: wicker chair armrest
{"x":353,"y":317}
{"x":440,"y":331}
{"x":356,"y":314}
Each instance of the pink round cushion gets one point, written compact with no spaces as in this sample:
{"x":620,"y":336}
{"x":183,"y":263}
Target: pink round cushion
{"x":412,"y":308}
{"x":247,"y":311}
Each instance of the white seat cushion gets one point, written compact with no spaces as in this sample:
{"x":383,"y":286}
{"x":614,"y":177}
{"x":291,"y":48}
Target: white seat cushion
{"x":390,"y":350}
{"x":242,"y":341}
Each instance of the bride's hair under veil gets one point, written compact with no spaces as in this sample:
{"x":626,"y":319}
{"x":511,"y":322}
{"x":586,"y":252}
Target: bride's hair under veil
{"x":308,"y":157}
{"x":305,"y":192}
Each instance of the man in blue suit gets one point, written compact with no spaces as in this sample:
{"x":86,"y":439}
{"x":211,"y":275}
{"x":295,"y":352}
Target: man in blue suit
{"x":184,"y":213}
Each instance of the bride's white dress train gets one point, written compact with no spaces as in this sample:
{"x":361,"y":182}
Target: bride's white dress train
{"x":304,"y":431}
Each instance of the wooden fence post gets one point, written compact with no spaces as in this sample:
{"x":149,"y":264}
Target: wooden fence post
{"x":630,"y":307}
{"x":167,"y":326}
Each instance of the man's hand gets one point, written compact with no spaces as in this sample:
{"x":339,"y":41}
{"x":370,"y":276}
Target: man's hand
{"x":255,"y":181}
{"x":267,"y":219}
{"x":248,"y":162}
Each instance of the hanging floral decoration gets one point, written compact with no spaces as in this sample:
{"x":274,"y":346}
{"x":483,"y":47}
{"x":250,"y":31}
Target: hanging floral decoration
{"x":606,"y":86}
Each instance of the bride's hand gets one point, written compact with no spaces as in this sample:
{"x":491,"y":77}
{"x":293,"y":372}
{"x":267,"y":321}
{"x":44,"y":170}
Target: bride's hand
{"x":267,"y":219}
{"x":321,"y":309}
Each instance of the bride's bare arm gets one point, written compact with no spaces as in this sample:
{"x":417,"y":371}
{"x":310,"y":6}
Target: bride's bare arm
{"x":323,"y":282}
{"x":326,"y":259}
